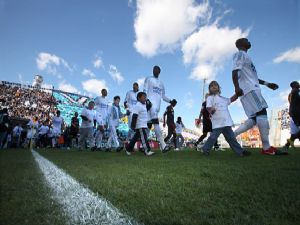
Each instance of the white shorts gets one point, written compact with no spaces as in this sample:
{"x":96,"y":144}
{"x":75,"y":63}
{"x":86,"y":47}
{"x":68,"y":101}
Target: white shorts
{"x":56,"y":132}
{"x":293,"y":127}
{"x":253,"y":102}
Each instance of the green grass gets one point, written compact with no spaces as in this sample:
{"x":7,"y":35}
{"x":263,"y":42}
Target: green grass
{"x":182,"y":187}
{"x":24,"y":199}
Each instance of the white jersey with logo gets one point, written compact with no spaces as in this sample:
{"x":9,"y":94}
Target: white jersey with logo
{"x":102,"y":107}
{"x":131,"y":99}
{"x":141,"y":110}
{"x":221,"y":118}
{"x":155,"y":90}
{"x":91,"y":115}
{"x":247,"y":76}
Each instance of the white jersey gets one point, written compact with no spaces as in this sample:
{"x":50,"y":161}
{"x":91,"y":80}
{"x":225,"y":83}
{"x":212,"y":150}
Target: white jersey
{"x":131,"y":99}
{"x":247,"y":76}
{"x":57,"y":122}
{"x":179,"y":128}
{"x":114,"y":116}
{"x":17,"y":131}
{"x":90,"y":114}
{"x":155,"y":90}
{"x":102,"y":106}
{"x":221,"y":118}
{"x":141,"y":110}
{"x":43,"y":130}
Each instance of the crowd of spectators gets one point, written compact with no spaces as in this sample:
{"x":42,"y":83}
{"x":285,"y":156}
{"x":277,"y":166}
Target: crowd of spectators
{"x":27,"y":102}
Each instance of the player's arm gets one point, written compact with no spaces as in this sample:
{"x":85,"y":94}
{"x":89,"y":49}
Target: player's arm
{"x":209,"y":106}
{"x":146,"y":85}
{"x":211,"y":110}
{"x":126,"y":100}
{"x":165,"y":113}
{"x":163,"y":95}
{"x":235,"y":80}
{"x":234,"y":98}
{"x":272,"y":86}
{"x":133,"y":121}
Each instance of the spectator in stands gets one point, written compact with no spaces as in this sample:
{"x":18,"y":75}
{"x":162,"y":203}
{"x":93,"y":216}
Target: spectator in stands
{"x":4,"y":125}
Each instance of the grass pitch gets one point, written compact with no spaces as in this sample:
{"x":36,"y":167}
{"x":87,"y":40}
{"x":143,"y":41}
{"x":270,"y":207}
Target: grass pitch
{"x":173,"y":188}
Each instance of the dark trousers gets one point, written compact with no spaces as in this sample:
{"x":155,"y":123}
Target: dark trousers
{"x":141,"y":134}
{"x":171,"y":132}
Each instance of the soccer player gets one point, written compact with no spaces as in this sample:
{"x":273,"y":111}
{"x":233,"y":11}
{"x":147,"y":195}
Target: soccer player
{"x":102,"y":110}
{"x":170,"y":123}
{"x":155,"y":91}
{"x":129,"y":103}
{"x":139,"y":124}
{"x":294,"y":111}
{"x":74,"y":129}
{"x":247,"y":87}
{"x":222,"y":123}
{"x":206,"y":127}
{"x":114,"y":120}
{"x":57,"y":124}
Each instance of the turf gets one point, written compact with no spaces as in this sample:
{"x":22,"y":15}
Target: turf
{"x":24,"y":198}
{"x":189,"y":188}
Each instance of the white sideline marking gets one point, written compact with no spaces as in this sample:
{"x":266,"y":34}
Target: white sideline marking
{"x":80,"y":204}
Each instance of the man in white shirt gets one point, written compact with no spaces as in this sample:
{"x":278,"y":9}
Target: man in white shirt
{"x":57,"y":125}
{"x":139,"y":124}
{"x":102,"y":110}
{"x":86,"y":130}
{"x":155,"y":90}
{"x":247,"y":86}
{"x":129,"y":103}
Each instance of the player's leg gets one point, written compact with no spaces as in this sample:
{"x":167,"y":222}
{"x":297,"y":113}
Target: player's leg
{"x":231,"y":139}
{"x":155,"y":122}
{"x":248,"y":124}
{"x":169,"y":133}
{"x":144,"y":141}
{"x":211,"y":140}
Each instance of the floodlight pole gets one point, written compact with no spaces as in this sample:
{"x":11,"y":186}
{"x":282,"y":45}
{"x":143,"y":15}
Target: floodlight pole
{"x":203,"y":90}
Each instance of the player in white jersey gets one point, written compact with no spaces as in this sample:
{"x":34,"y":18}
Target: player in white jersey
{"x":57,"y":125}
{"x":155,"y":90}
{"x":246,"y":85}
{"x":114,"y":116}
{"x":139,"y":124}
{"x":129,"y":103}
{"x":102,"y":109}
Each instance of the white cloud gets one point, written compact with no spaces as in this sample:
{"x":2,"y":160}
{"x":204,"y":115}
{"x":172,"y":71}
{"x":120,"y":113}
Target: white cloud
{"x":141,"y":81}
{"x":46,"y":61}
{"x":115,"y":74}
{"x":63,"y":86}
{"x":94,"y":86}
{"x":161,"y":24}
{"x":88,"y":73}
{"x":291,"y":55}
{"x":98,"y":62}
{"x":188,"y":100}
{"x":209,"y":48}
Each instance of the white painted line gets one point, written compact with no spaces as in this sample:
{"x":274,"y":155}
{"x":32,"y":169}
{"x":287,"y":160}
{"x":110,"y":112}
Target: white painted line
{"x":80,"y":204}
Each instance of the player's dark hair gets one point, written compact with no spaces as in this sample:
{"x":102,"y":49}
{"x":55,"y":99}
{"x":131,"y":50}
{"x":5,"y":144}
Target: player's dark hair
{"x":240,"y":42}
{"x":117,"y":97}
{"x":294,"y":84}
{"x":179,"y":120}
{"x":135,"y":83}
{"x":140,"y":94}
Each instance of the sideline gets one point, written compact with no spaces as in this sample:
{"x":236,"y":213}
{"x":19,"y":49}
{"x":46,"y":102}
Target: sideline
{"x":79,"y":203}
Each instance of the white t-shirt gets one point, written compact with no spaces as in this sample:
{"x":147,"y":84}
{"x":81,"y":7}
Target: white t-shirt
{"x":247,"y":75}
{"x":43,"y":130}
{"x":102,"y":107}
{"x":91,"y":115}
{"x":114,"y":116}
{"x":221,"y":118}
{"x":141,"y":110}
{"x":179,"y":128}
{"x":155,"y":90}
{"x":57,"y":122}
{"x":131,"y":99}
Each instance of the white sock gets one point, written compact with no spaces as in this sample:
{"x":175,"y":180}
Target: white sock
{"x":248,"y":124}
{"x":263,"y":127}
{"x":159,"y":136}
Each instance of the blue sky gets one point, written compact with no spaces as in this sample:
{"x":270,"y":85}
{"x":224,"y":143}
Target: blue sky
{"x":83,"y":46}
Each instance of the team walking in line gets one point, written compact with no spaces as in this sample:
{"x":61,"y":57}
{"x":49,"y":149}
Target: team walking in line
{"x":143,"y":107}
